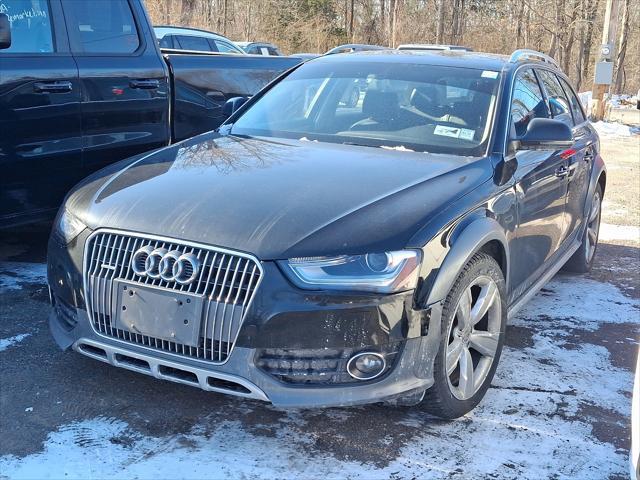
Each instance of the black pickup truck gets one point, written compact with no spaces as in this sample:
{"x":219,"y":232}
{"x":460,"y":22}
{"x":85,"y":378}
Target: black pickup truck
{"x":84,"y":84}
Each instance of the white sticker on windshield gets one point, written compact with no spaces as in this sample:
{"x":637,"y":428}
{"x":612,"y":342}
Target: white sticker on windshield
{"x":489,"y":74}
{"x":447,"y":131}
{"x":466,"y":134}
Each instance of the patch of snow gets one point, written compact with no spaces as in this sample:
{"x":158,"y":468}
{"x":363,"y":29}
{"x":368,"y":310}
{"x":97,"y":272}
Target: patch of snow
{"x":614,"y":129}
{"x":619,"y":232}
{"x":28,"y":409}
{"x":586,"y":99}
{"x":13,"y":274}
{"x":8,"y":342}
{"x":623,"y":100}
{"x":400,"y":148}
{"x":531,"y":424}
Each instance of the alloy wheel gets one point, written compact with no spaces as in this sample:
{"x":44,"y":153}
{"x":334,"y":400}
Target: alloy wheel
{"x":474,"y":335}
{"x":593,"y":228}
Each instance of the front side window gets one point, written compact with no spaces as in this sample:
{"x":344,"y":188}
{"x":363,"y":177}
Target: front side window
{"x":418,"y":107}
{"x":558,"y":103}
{"x":103,"y":26}
{"x":527,"y":102}
{"x":30,"y":23}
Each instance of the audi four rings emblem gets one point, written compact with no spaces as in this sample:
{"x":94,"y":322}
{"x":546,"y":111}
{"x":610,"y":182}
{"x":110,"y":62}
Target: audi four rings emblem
{"x":170,"y":266}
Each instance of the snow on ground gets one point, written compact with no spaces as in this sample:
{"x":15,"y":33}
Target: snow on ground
{"x":14,"y":274}
{"x":610,"y":232}
{"x":623,"y":100}
{"x":7,"y":342}
{"x":536,"y":422}
{"x":616,"y":100}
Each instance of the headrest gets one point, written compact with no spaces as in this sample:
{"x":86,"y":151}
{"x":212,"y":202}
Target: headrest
{"x":380,"y":105}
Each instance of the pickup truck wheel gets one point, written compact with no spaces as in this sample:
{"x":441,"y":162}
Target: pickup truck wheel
{"x":582,"y":259}
{"x":473,"y":322}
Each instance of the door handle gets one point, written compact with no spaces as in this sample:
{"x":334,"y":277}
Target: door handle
{"x":588,"y":156}
{"x":52,"y":87}
{"x":145,"y":84}
{"x":562,"y":171}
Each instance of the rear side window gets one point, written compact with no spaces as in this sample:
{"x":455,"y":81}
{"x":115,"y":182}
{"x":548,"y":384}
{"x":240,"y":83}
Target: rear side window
{"x":190,"y":42}
{"x":30,"y":22}
{"x":578,"y":115}
{"x":103,"y":26}
{"x":527,"y":102}
{"x":558,"y":102}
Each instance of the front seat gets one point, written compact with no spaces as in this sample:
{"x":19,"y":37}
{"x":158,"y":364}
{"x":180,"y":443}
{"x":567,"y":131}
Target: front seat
{"x":381,"y":110}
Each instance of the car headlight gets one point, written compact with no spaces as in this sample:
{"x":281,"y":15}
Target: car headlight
{"x":385,"y":272}
{"x":68,"y":226}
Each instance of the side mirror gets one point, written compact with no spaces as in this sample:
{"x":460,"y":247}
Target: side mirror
{"x":544,"y":134}
{"x":232,"y":105}
{"x":5,"y":31}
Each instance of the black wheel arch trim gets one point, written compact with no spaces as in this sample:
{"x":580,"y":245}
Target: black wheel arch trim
{"x":466,"y":242}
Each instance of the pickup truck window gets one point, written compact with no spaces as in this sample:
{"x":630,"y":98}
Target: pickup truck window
{"x":30,"y":22}
{"x":104,"y":27}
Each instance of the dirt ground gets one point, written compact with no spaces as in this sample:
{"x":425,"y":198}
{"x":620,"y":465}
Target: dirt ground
{"x":558,"y":408}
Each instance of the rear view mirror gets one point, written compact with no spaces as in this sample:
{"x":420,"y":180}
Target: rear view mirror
{"x":545,"y":134}
{"x":232,"y":105}
{"x":5,"y":31}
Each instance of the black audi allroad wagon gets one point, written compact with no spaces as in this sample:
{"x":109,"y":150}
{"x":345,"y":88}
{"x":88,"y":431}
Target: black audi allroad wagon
{"x":359,"y":231}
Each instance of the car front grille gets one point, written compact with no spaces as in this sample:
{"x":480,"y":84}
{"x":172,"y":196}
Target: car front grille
{"x":227,"y":281}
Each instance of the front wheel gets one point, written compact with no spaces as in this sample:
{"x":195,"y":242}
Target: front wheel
{"x":582,"y":259}
{"x":474,"y":316}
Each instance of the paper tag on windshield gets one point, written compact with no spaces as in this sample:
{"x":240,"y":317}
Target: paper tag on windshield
{"x":447,"y":131}
{"x":489,"y":74}
{"x":466,"y":134}
{"x":454,"y":132}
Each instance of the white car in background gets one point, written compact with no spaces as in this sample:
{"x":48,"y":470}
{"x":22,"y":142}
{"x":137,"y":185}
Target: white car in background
{"x":194,"y":39}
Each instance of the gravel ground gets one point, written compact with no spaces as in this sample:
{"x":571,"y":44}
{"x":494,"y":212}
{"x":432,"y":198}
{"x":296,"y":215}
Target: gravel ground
{"x":559,"y":406}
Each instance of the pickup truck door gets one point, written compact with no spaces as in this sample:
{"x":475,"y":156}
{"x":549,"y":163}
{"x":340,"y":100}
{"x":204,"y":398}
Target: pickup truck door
{"x":541,"y":188}
{"x":40,"y":136}
{"x":125,"y":90}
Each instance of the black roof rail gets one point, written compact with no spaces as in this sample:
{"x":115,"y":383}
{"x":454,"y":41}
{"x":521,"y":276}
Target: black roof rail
{"x":526,"y":54}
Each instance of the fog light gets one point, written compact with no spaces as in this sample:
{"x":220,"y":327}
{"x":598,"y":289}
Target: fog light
{"x":366,"y":365}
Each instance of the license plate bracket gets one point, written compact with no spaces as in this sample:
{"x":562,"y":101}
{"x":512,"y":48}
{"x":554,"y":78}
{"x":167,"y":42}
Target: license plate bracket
{"x":157,"y":312}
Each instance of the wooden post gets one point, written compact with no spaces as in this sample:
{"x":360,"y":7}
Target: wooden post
{"x":608,"y":37}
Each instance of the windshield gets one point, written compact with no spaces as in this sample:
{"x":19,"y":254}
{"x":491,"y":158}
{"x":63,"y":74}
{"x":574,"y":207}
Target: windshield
{"x":414,"y":106}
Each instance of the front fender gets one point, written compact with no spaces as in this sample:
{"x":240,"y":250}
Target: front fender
{"x":463,"y":246}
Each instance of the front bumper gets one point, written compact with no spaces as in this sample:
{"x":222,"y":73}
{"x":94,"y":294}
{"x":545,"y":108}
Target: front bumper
{"x":281,"y":317}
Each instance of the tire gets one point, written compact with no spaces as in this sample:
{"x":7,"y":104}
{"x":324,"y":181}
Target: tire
{"x":582,"y":260}
{"x":451,"y":395}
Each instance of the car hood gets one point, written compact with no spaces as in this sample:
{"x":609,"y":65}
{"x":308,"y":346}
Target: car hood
{"x":277,"y":199}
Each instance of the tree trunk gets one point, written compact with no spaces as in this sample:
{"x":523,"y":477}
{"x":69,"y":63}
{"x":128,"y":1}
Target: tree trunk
{"x":622,"y":49}
{"x":591,"y":9}
{"x":519,"y":21}
{"x":440,"y":25}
